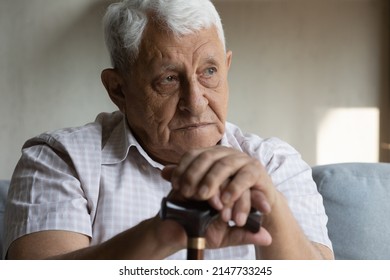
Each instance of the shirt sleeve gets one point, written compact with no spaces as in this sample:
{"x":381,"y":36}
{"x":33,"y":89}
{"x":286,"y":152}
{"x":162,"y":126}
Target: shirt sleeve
{"x":293,"y":177}
{"x":45,"y":194}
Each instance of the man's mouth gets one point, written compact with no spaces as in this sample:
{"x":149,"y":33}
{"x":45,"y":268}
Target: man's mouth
{"x":193,"y":126}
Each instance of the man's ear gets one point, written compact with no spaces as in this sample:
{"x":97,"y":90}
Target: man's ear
{"x":229,"y":55}
{"x":113,"y":82}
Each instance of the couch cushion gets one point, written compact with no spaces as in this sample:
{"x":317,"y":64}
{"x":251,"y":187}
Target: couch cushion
{"x":357,"y":202}
{"x":3,"y":196}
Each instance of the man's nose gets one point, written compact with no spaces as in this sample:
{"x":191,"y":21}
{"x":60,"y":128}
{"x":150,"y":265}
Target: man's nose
{"x":193,"y":98}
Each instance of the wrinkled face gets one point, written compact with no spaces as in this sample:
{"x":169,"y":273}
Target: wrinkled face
{"x":176,"y":94}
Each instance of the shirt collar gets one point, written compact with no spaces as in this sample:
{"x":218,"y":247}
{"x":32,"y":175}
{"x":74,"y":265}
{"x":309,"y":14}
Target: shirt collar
{"x":118,"y":144}
{"x":224,"y":141}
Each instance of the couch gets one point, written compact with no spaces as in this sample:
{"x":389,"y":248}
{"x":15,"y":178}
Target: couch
{"x":357,"y":202}
{"x":3,"y":196}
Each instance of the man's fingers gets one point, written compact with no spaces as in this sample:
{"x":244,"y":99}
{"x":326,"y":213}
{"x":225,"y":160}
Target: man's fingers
{"x":241,"y":209}
{"x":191,"y":169}
{"x":167,"y":172}
{"x":201,"y":173}
{"x":215,"y":202}
{"x":220,"y":172}
{"x":220,"y":235}
{"x":260,"y":202}
{"x":241,"y":236}
{"x":195,"y":175}
{"x":246,"y":177}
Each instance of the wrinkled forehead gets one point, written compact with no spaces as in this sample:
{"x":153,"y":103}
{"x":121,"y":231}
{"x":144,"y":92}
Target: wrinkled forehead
{"x":160,"y":44}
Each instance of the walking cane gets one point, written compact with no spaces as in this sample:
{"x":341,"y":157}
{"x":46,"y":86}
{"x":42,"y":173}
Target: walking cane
{"x":195,"y":217}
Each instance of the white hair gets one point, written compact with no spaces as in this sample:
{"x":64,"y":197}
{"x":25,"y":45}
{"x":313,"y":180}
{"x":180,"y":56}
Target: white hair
{"x":125,"y":22}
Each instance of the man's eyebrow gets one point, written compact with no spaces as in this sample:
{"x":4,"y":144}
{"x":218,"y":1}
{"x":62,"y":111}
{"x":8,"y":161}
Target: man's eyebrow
{"x":166,"y":67}
{"x":173,"y":67}
{"x":211,"y":60}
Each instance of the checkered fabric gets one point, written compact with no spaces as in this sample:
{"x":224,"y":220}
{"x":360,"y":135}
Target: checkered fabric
{"x":97,"y":180}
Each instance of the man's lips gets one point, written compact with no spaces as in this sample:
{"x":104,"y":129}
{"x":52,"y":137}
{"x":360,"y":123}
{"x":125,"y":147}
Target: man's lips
{"x":193,"y":126}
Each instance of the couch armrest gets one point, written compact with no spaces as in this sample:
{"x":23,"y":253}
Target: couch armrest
{"x":357,"y":202}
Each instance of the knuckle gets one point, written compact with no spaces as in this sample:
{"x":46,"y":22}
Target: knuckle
{"x":205,"y":156}
{"x":189,"y":155}
{"x":258,"y":165}
{"x":222,"y":164}
{"x":186,"y":180}
{"x":235,"y":186}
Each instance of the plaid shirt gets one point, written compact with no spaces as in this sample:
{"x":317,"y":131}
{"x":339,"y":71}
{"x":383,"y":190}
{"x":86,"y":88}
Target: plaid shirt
{"x":98,"y":181}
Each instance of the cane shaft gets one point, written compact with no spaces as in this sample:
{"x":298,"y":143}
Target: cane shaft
{"x":195,"y":254}
{"x":195,"y":248}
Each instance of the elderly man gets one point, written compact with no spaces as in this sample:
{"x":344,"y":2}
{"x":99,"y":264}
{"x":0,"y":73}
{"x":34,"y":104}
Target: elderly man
{"x":94,"y":192}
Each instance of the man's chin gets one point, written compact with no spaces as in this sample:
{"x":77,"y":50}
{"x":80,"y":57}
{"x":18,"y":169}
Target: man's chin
{"x":194,"y":144}
{"x":200,"y":137}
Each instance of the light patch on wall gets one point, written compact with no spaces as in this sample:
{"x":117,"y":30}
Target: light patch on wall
{"x":348,"y":135}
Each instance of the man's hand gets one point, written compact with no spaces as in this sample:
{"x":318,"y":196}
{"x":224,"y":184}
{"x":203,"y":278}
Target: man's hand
{"x":232,"y":182}
{"x":224,"y":177}
{"x":218,"y":234}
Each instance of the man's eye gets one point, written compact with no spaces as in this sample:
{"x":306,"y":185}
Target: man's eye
{"x":167,"y":84}
{"x":210,"y":71}
{"x":169,"y":79}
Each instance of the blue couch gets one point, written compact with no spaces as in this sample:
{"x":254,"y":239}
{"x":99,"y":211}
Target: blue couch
{"x":357,"y":201}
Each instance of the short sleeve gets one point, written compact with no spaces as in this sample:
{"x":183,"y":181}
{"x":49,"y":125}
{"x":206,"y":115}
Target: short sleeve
{"x":45,"y":194}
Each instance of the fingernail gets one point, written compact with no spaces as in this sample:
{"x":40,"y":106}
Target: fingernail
{"x":226,"y":197}
{"x":204,"y":190}
{"x":241,"y":219}
{"x":226,"y":214}
{"x":267,"y":207}
{"x":217,"y":203}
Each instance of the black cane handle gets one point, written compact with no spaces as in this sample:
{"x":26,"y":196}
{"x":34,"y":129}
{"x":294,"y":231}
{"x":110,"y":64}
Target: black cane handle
{"x":195,"y":217}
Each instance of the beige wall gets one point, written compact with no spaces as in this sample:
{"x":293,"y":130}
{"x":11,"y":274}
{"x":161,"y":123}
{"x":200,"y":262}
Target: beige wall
{"x":293,"y":62}
{"x":296,"y":61}
{"x":51,"y":55}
